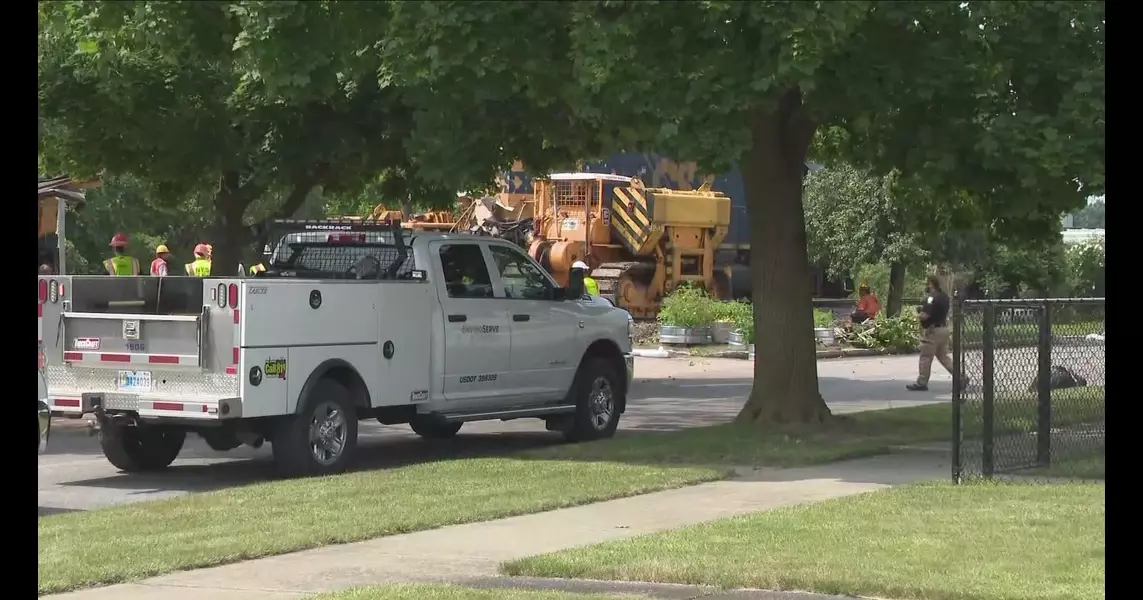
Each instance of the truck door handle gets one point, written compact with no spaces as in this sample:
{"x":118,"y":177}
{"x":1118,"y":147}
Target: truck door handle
{"x":521,"y":317}
{"x":457,"y":318}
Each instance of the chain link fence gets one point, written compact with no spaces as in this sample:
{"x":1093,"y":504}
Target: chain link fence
{"x":1030,"y":397}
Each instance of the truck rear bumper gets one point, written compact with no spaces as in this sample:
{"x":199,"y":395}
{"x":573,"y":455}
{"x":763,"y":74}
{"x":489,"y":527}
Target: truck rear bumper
{"x":200,"y":409}
{"x":174,"y":394}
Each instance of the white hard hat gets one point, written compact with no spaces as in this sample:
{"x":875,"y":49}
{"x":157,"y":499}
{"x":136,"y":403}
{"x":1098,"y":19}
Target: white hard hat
{"x":579,"y":264}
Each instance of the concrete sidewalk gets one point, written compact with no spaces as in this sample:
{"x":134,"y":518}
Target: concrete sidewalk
{"x":473,"y":552}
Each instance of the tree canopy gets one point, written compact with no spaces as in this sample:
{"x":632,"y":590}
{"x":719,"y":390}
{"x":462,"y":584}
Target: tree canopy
{"x":997,"y":104}
{"x":996,"y":107}
{"x":169,"y":94}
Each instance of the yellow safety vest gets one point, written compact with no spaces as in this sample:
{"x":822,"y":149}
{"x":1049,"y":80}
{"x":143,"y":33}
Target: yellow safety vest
{"x":199,"y":268}
{"x":590,"y":286}
{"x":122,"y":265}
{"x":259,"y":268}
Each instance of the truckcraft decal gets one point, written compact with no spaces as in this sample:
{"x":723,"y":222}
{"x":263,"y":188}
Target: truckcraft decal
{"x":491,"y":329}
{"x":419,"y":396}
{"x":275,"y":367}
{"x":485,"y":378}
{"x":256,"y":289}
{"x":86,"y":344}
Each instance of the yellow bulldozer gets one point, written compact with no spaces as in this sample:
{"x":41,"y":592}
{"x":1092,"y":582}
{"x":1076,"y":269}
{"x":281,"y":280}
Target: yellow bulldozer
{"x":641,"y":243}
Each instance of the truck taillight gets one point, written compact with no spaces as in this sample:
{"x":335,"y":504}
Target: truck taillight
{"x":232,"y":295}
{"x":43,"y":291}
{"x":54,"y":291}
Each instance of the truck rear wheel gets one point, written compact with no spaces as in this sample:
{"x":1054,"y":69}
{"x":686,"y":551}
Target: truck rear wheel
{"x":598,"y":396}
{"x":320,"y":439}
{"x":141,"y":448}
{"x":434,"y":430}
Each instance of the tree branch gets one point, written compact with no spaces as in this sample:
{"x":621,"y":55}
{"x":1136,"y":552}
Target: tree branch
{"x":301,"y":190}
{"x":228,"y":187}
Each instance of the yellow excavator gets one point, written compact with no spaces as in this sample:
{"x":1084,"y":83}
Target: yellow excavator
{"x":641,"y":243}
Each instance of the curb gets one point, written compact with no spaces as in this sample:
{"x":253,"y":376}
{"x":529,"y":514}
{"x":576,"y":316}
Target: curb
{"x":744,"y":355}
{"x":658,"y":591}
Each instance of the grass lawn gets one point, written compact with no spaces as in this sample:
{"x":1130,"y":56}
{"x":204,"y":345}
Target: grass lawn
{"x":849,"y":436}
{"x":1089,"y":466}
{"x":1027,"y":332}
{"x":139,"y":540}
{"x":449,"y":592}
{"x":934,"y":541}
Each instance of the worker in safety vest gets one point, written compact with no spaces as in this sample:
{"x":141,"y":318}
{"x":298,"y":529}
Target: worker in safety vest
{"x":201,"y":265}
{"x":209,"y":253}
{"x":589,"y":284}
{"x":261,"y":267}
{"x":120,"y":263}
{"x":159,"y":265}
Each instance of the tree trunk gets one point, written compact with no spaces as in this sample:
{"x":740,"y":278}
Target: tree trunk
{"x":407,"y":208}
{"x":231,"y":239}
{"x":785,"y":369}
{"x":235,"y":241}
{"x":896,"y":288}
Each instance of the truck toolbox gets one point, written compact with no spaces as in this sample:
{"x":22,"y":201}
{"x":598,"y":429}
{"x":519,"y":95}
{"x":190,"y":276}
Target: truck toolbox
{"x":135,"y":344}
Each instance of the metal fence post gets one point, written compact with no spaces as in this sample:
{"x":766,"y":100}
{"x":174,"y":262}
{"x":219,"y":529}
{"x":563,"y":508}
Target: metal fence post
{"x":958,"y":378}
{"x":1044,"y":388}
{"x":988,"y":383}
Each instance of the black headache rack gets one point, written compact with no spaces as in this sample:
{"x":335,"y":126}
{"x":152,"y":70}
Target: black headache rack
{"x":360,"y":249}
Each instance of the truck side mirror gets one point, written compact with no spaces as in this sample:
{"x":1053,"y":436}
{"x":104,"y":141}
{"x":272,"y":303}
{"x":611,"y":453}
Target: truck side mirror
{"x":575,"y":284}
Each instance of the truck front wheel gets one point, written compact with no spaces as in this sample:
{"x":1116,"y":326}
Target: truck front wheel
{"x":141,"y":448}
{"x":598,"y":396}
{"x":321,"y":437}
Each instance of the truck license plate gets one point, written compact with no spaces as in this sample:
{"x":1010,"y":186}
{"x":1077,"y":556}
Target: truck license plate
{"x":134,"y":381}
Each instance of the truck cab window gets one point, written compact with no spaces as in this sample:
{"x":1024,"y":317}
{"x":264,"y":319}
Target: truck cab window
{"x":522,"y":279}
{"x":465,"y":274}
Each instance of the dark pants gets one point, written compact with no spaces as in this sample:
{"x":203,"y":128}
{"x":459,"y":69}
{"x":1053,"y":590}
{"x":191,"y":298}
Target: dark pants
{"x":859,"y":316}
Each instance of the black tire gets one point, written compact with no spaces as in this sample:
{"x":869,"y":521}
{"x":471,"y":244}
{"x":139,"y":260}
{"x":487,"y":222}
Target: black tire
{"x":294,"y":451}
{"x":598,"y":394}
{"x":141,"y":448}
{"x":434,"y":430}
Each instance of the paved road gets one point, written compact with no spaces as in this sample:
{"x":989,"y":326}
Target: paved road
{"x":668,"y":394}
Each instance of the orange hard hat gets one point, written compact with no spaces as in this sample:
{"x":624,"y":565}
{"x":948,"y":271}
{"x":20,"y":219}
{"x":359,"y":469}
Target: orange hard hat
{"x":201,"y":250}
{"x":118,"y":240}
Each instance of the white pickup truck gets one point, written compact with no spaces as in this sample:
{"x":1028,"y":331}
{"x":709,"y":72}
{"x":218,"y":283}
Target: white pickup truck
{"x":351,"y":321}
